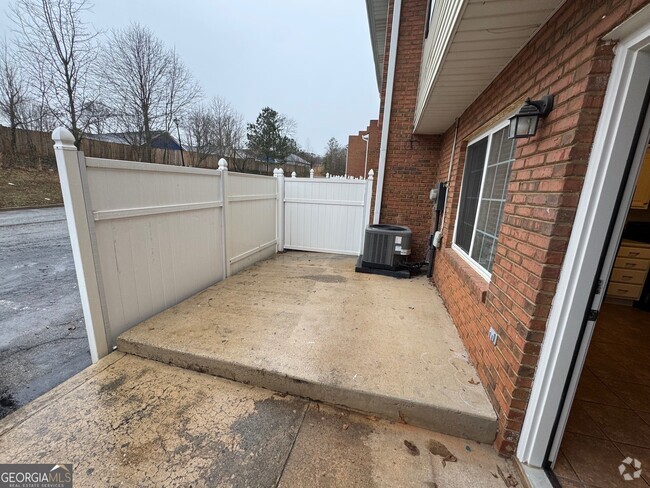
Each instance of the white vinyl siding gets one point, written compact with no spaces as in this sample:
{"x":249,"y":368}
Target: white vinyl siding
{"x":483,"y":196}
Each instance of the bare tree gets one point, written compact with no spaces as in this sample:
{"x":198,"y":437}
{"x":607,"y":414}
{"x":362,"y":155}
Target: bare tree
{"x":229,"y":130}
{"x":59,"y":50}
{"x":182,"y":91}
{"x":199,"y":131}
{"x":137,"y":64}
{"x":13,"y":92}
{"x":216,"y":129}
{"x":36,"y":112}
{"x":148,"y":84}
{"x":100,"y":117}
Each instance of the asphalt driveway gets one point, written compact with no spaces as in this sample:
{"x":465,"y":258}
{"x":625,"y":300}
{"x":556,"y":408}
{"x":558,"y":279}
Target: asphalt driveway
{"x":42,"y":334}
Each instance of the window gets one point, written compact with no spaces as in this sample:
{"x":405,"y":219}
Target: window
{"x":482,"y":197}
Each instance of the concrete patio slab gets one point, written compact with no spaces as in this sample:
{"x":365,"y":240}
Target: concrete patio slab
{"x":307,"y":325}
{"x":337,"y":448}
{"x":127,"y":421}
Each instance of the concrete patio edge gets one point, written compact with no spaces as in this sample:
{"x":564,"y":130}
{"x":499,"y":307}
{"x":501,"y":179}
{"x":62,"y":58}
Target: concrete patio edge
{"x":429,"y":416}
{"x":22,"y":414}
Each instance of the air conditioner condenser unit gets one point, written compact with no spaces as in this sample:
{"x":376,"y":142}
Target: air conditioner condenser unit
{"x":385,"y":250}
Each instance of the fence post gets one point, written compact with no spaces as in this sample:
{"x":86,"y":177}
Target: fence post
{"x":80,"y":226}
{"x":280,"y":231}
{"x":223,"y":169}
{"x":366,"y":207}
{"x":311,"y":173}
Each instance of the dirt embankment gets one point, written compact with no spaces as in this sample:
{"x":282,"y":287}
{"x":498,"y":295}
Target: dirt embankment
{"x":20,"y":187}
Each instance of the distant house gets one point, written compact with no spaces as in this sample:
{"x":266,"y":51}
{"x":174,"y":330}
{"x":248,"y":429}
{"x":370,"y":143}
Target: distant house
{"x":160,"y":139}
{"x":293,"y":159}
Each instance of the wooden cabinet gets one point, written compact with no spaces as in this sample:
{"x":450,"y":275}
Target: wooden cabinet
{"x":630,"y":271}
{"x":641,"y":198}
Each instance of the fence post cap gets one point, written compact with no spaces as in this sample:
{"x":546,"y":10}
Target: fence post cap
{"x":280,"y":172}
{"x":275,"y":172}
{"x":63,"y":138}
{"x":311,"y":173}
{"x":293,"y":174}
{"x":327,"y":175}
{"x":223,"y":164}
{"x":371,"y":174}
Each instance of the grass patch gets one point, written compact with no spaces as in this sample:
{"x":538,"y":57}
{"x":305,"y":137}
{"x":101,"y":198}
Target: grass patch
{"x":20,"y":187}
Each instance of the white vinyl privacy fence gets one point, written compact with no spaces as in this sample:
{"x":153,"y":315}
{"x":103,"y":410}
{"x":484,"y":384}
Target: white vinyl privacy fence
{"x":147,"y":236}
{"x":326,"y":215}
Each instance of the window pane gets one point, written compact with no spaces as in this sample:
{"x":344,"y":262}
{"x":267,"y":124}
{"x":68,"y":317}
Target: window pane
{"x":469,"y":194}
{"x":493,"y":198}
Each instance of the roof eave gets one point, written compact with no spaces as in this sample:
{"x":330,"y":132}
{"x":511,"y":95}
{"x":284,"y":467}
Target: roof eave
{"x":377,"y":34}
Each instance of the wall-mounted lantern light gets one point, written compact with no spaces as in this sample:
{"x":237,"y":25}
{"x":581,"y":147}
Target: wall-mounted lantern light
{"x":524,"y":122}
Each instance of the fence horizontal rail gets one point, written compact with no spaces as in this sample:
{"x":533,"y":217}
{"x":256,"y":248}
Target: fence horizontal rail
{"x":253,"y":251}
{"x":326,"y":180}
{"x":160,"y":209}
{"x":345,"y":203}
{"x":250,"y":198}
{"x":136,"y":166}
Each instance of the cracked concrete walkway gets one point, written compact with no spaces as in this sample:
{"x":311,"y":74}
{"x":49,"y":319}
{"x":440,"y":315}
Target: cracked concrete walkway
{"x":127,"y":421}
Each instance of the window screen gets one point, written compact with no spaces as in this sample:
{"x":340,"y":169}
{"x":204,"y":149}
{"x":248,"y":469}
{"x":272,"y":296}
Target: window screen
{"x":493,"y":198}
{"x":477,"y":235}
{"x":470,"y":191}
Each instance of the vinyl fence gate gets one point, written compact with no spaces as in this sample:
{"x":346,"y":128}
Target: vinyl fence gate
{"x":326,"y":214}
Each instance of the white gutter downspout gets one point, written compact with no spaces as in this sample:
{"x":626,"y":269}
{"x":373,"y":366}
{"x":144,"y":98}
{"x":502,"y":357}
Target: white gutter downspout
{"x":388,"y":101}
{"x":451,"y":165}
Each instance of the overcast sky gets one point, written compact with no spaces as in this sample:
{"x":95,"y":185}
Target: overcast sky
{"x":308,"y":59}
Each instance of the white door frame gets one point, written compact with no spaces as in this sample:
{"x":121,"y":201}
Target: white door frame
{"x":613,"y":141}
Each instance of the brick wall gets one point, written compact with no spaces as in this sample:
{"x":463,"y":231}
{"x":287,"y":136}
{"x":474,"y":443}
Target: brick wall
{"x":374,"y":142}
{"x":566,"y":58}
{"x":356,"y":157}
{"x":411,"y":160}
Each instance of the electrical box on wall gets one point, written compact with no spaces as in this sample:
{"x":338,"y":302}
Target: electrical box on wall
{"x":437,"y":196}
{"x":494,"y":337}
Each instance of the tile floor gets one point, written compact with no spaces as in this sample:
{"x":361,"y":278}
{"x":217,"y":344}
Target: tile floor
{"x":610,"y":418}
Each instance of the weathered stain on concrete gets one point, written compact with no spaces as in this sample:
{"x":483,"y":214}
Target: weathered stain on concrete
{"x":307,"y":324}
{"x":141,"y":423}
{"x":337,"y":448}
{"x":128,"y":421}
{"x":323,"y":278}
{"x":331,"y":450}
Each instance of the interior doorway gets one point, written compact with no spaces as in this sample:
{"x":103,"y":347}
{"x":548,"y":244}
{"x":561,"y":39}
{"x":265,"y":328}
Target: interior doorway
{"x":606,"y":441}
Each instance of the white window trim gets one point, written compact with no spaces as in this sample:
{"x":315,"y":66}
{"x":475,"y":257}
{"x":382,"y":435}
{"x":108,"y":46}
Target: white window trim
{"x":487,"y":276}
{"x":467,"y":256}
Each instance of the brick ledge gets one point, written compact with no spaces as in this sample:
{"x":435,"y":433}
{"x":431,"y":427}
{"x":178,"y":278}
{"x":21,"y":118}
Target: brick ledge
{"x":476,"y":284}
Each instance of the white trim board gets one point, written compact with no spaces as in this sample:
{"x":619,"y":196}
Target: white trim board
{"x":612,"y":144}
